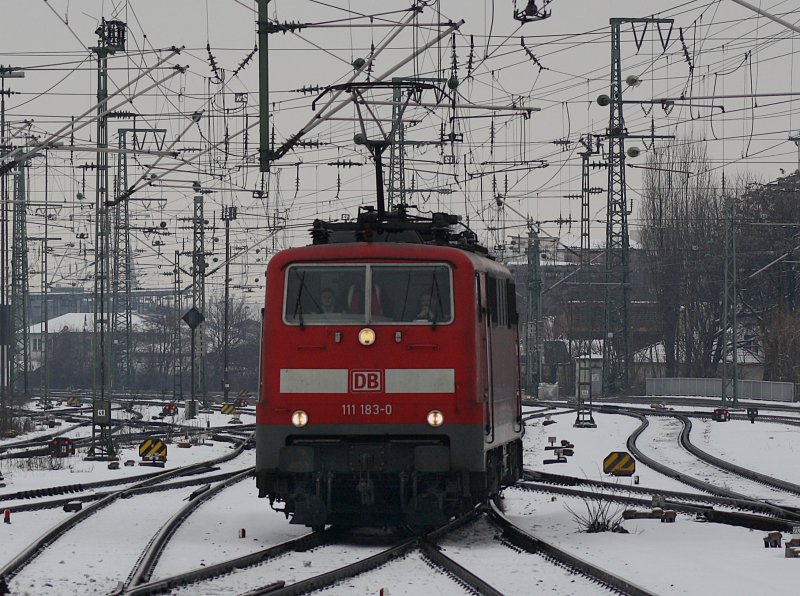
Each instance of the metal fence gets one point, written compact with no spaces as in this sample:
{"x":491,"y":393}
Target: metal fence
{"x":746,"y":389}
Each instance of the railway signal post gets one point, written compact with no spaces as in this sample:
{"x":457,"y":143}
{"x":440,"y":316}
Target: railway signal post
{"x":193,"y":318}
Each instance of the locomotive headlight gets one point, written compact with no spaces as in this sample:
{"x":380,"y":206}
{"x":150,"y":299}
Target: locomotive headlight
{"x":299,"y":418}
{"x":366,"y":337}
{"x":435,"y":418}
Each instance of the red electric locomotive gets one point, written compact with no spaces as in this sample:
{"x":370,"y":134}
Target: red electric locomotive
{"x":389,"y":375}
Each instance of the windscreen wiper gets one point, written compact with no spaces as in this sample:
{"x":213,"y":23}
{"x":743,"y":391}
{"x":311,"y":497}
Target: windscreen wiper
{"x":298,"y":306}
{"x":435,"y":288}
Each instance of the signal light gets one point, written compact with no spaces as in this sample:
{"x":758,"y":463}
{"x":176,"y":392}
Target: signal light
{"x":299,"y":418}
{"x":435,"y":418}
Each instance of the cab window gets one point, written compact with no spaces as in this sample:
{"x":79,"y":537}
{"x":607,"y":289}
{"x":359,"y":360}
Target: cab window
{"x":412,"y":294}
{"x":368,"y":294}
{"x":325,"y":294}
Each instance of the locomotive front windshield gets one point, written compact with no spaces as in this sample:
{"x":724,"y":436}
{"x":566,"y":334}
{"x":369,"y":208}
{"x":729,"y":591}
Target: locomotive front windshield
{"x":368,"y":294}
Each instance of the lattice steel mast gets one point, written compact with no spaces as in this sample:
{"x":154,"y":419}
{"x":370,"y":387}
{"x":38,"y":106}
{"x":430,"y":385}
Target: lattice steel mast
{"x":5,"y":302}
{"x":228,"y":215}
{"x":177,"y":362}
{"x":533,"y":321}
{"x":199,"y":291}
{"x":122,"y":280}
{"x":396,"y":191}
{"x":111,"y":39}
{"x":584,"y":417}
{"x":616,"y":337}
{"x":19,"y":284}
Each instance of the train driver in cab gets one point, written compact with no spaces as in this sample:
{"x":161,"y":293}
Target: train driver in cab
{"x":426,"y":308}
{"x":327,"y":302}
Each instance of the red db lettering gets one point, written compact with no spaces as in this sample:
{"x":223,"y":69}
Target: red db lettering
{"x":366,"y":380}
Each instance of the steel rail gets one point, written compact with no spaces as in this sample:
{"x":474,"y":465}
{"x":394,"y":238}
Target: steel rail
{"x":732,"y":518}
{"x":748,"y":504}
{"x":330,"y":578}
{"x":51,"y":504}
{"x":707,"y":487}
{"x":209,"y":572}
{"x":455,"y":570}
{"x":666,"y":470}
{"x":21,"y":560}
{"x":149,"y":558}
{"x":784,"y":485}
{"x":530,"y":543}
{"x":364,"y":565}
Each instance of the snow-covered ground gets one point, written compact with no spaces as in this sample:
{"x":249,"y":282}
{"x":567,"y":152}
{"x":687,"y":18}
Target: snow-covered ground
{"x":688,"y":557}
{"x":660,"y":441}
{"x":767,"y":447}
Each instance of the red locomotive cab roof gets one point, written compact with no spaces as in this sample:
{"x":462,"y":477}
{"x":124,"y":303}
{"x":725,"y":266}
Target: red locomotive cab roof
{"x":383,"y":251}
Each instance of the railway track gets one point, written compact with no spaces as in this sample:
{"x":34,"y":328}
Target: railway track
{"x":149,"y":558}
{"x":777,"y":483}
{"x":697,"y":498}
{"x":743,"y":518}
{"x":764,"y":506}
{"x":22,"y":560}
{"x":429,"y":547}
{"x":699,"y":402}
{"x":40,"y":445}
{"x":211,"y":572}
{"x":38,"y":504}
{"x":530,"y":543}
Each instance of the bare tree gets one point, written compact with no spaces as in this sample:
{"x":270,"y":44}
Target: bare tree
{"x":154,"y":352}
{"x":683,"y":239}
{"x":71,"y":359}
{"x":243,"y":342}
{"x":768,"y":244}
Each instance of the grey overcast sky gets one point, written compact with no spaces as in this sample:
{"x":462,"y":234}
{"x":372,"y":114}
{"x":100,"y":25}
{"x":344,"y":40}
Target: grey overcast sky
{"x":726,"y":50}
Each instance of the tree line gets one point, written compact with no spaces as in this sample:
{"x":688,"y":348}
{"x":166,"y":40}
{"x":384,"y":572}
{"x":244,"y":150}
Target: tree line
{"x":683,"y":219}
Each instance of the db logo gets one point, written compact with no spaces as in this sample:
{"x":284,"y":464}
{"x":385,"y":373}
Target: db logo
{"x":365,"y":380}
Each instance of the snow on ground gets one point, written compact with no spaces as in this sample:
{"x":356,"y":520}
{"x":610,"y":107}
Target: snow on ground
{"x":25,"y":527}
{"x":771,"y":408}
{"x":411,"y":575}
{"x":660,"y":441}
{"x":592,"y":445}
{"x":289,"y":567}
{"x":101,"y":550}
{"x":478,"y":548}
{"x":43,"y":472}
{"x":768,"y":447}
{"x":96,"y":542}
{"x":687,"y":557}
{"x":211,"y":534}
